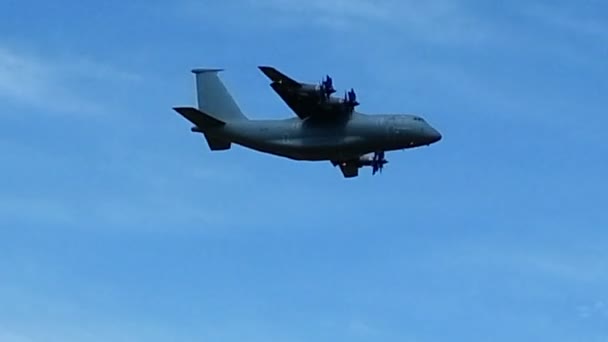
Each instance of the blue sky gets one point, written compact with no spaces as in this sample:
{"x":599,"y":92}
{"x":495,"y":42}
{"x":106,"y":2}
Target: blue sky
{"x":117,"y":223}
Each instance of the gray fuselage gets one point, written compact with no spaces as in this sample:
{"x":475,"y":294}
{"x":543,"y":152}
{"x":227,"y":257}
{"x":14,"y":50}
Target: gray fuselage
{"x":315,"y":140}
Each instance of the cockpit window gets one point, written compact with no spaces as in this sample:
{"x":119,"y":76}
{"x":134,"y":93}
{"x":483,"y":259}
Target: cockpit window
{"x":416,"y":118}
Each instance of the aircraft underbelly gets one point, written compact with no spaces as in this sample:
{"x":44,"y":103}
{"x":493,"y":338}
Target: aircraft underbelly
{"x":317,"y":146}
{"x":320,"y":148}
{"x":324,"y":142}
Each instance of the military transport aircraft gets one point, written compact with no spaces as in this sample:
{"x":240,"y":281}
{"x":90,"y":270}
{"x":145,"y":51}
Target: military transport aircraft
{"x":326,"y":128}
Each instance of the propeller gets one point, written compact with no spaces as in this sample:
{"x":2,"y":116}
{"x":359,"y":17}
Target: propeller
{"x":352,"y":97}
{"x":329,"y":83}
{"x":378,"y":162}
{"x":327,"y":87}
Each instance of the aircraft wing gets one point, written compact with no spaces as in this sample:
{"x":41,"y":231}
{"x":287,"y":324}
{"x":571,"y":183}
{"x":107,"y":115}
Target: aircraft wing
{"x":304,"y":99}
{"x":278,"y":77}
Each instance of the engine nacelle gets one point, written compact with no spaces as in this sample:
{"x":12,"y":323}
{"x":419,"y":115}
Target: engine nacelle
{"x":315,"y":90}
{"x":322,"y":93}
{"x":369,"y":160}
{"x":365,"y":160}
{"x":310,"y":88}
{"x":322,"y":90}
{"x":375,"y":160}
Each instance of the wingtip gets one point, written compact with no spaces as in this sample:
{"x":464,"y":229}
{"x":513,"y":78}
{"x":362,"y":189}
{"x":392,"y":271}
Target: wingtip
{"x":267,"y":69}
{"x":181,"y":109}
{"x":185,"y":109}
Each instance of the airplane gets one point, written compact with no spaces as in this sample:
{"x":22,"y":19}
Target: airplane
{"x":325,"y":128}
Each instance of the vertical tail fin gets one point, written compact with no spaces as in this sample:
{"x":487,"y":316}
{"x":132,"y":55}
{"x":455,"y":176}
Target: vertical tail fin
{"x":214,"y":98}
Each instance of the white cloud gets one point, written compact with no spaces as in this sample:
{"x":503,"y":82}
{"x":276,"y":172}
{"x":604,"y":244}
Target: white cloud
{"x":55,"y":84}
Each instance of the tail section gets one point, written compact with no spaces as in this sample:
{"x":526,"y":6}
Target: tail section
{"x":201,"y":119}
{"x":214,"y":98}
{"x":216,"y":108}
{"x":204,"y":123}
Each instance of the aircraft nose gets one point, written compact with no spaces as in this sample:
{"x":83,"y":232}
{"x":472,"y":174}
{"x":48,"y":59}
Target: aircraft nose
{"x":434,"y":135}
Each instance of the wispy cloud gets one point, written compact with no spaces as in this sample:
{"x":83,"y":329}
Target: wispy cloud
{"x":361,"y":328}
{"x":148,"y":211}
{"x":142,"y":188}
{"x":577,"y":21}
{"x":52,"y":83}
{"x":150,"y":202}
{"x":437,"y":21}
{"x":553,"y":261}
{"x":10,"y":336}
{"x":342,"y":11}
{"x":577,"y":36}
{"x":34,"y":210}
{"x":599,"y":309}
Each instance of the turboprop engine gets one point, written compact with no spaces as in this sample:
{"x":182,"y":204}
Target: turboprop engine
{"x":321,"y":93}
{"x":375,"y":160}
{"x":324,"y":89}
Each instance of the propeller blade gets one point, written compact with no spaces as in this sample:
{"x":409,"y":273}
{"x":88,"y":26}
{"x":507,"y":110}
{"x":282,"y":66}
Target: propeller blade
{"x":378,"y":162}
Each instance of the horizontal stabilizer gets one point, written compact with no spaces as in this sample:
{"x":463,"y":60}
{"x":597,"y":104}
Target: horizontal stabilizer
{"x":276,"y":76}
{"x":199,"y":118}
